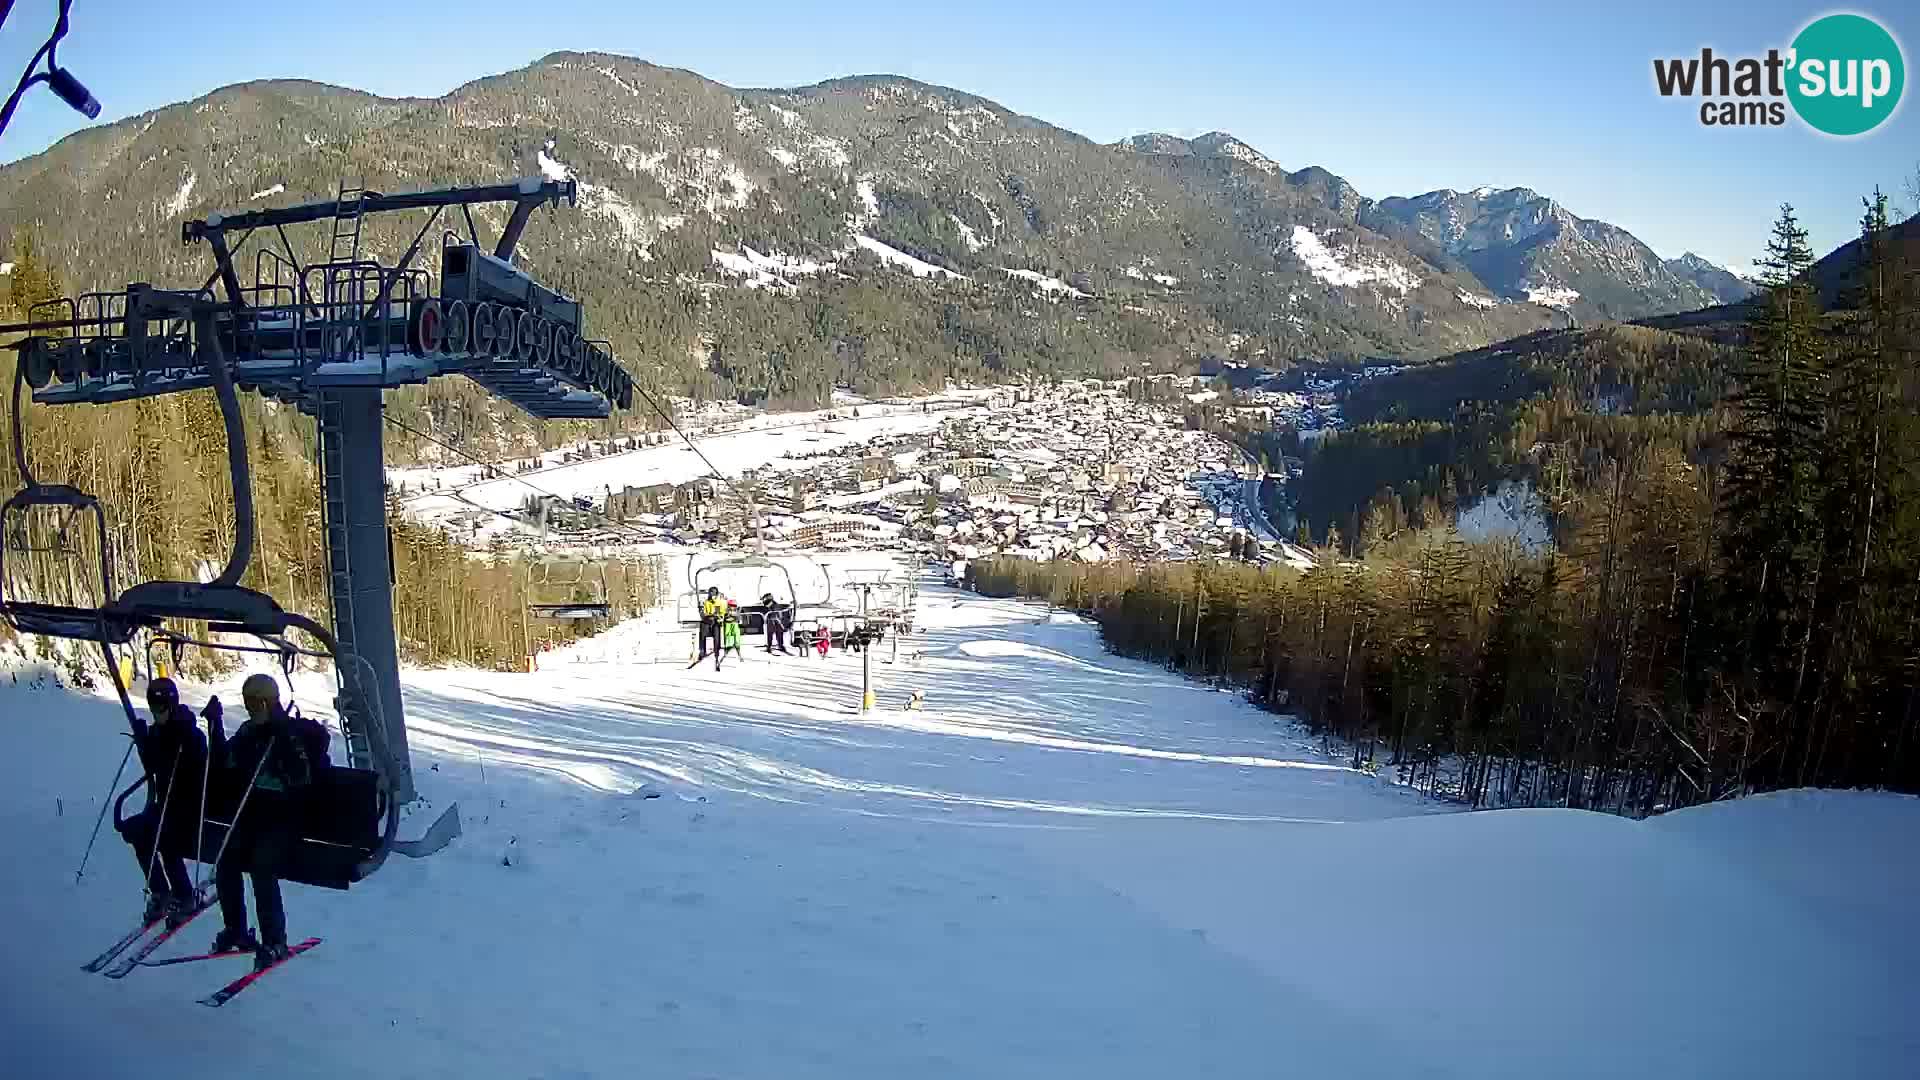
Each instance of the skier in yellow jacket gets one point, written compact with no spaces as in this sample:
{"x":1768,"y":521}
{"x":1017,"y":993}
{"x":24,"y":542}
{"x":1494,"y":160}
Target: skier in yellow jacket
{"x":712,"y":610}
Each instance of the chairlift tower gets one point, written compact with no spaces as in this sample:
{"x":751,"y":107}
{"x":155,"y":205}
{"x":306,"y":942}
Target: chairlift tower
{"x":330,"y":338}
{"x":864,"y":582}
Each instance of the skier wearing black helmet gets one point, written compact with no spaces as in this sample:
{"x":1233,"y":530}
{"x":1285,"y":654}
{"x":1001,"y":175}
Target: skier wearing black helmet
{"x":174,"y":754}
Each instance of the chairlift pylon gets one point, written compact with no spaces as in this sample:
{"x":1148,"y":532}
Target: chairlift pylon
{"x":354,"y":814}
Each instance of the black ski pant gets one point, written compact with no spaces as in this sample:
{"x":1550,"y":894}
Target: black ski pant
{"x":260,"y":846}
{"x":166,"y":874}
{"x":776,"y":631}
{"x":709,"y":628}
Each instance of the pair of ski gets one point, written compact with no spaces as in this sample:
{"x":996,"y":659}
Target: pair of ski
{"x":115,"y":966}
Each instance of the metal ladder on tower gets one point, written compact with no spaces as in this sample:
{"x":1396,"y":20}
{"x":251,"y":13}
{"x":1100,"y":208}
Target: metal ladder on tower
{"x":327,"y":413}
{"x":345,"y":287}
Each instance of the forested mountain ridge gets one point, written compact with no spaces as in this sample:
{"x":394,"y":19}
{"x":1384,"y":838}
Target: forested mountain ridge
{"x":1718,"y":599}
{"x":872,"y":231}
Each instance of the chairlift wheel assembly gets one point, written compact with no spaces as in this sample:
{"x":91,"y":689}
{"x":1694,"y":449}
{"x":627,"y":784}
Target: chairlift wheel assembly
{"x":426,"y":329}
{"x":483,"y":329}
{"x":459,"y":319}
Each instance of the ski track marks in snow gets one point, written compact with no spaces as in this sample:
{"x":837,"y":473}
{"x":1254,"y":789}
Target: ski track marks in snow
{"x":1068,"y":864}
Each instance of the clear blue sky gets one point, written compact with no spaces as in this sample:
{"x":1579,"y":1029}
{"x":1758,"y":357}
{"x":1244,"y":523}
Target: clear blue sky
{"x":1398,"y":97}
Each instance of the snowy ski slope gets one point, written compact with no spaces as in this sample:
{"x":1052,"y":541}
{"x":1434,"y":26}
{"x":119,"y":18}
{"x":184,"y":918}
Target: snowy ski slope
{"x":1067,"y":865}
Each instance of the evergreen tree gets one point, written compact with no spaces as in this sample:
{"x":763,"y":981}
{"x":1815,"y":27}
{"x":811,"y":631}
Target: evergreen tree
{"x":1773,"y":545}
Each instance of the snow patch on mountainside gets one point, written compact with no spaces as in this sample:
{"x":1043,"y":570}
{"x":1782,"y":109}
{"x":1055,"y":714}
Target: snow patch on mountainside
{"x":618,"y":81}
{"x":829,"y":151}
{"x":1475,"y":299}
{"x":1515,"y":511}
{"x":967,"y":235}
{"x":634,"y":227}
{"x":178,"y":203}
{"x":1139,"y":273}
{"x":637,"y":229}
{"x":1351,"y":267}
{"x":1245,"y":154}
{"x":701,"y":178}
{"x":1549,"y":295}
{"x":807,"y":146}
{"x":896,"y":257}
{"x":550,"y":167}
{"x":723,"y":185}
{"x":274,"y":190}
{"x":1044,"y":283}
{"x":632,"y":159}
{"x":766,"y":269}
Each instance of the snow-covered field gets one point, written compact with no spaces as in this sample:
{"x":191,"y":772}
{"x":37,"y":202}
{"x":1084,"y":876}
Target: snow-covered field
{"x":439,"y":494}
{"x":1067,"y":865}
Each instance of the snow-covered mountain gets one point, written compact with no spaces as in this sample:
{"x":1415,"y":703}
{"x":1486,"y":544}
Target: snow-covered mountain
{"x":1169,"y":246}
{"x":1724,"y":285}
{"x":1526,"y":246}
{"x":1511,"y":244}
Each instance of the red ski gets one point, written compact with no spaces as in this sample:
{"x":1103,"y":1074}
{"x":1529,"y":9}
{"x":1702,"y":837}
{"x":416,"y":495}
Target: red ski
{"x":171,"y":960}
{"x":133,"y":960}
{"x":226,"y":993}
{"x":120,"y":946}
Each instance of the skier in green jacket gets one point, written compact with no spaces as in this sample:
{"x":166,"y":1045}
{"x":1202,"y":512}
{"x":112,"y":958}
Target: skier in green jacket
{"x":730,"y":633}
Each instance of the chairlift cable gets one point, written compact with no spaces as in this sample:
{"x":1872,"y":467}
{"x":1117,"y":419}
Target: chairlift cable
{"x":668,"y":417}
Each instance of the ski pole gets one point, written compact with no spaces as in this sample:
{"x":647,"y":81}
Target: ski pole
{"x":102,"y":816}
{"x":160,"y":829}
{"x":200,"y":829}
{"x":234,"y":825}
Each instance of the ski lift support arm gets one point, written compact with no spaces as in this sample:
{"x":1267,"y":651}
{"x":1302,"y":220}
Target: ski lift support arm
{"x":527,"y":194}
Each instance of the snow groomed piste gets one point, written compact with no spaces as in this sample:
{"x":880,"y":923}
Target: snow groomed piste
{"x":1066,"y":864}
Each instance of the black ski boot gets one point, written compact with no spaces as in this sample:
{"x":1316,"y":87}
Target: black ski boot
{"x":235,"y":941}
{"x":157,"y":906}
{"x":179,"y":910}
{"x":269,"y":954}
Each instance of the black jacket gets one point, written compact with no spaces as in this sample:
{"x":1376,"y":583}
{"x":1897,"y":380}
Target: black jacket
{"x":294,"y":749}
{"x":172,"y":751}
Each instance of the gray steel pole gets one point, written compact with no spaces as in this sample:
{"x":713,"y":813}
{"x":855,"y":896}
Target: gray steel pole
{"x":363,"y":613}
{"x":866,"y":655}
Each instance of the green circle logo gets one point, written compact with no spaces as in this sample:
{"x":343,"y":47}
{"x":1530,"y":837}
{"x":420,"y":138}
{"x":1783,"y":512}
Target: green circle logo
{"x":1847,"y":74}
